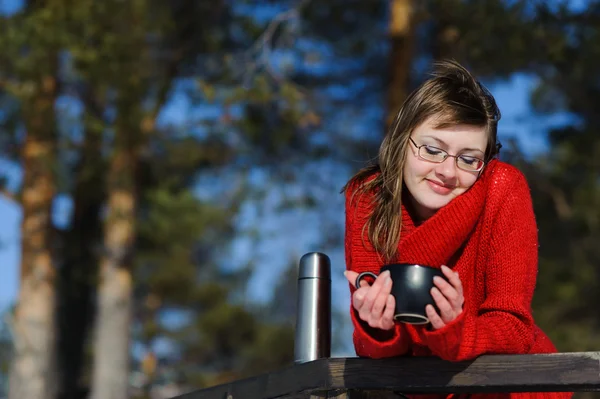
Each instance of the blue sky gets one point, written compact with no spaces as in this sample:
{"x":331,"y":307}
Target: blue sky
{"x":10,"y":215}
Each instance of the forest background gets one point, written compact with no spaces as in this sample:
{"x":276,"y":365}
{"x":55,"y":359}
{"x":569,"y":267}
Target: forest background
{"x":164,"y":165}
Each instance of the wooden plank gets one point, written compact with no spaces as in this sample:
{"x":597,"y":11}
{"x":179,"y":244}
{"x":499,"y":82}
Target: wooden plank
{"x":344,"y":394}
{"x":290,"y":382}
{"x":560,"y":372}
{"x":364,"y":394}
{"x":332,"y":394}
{"x":352,"y":394}
{"x":352,"y":377}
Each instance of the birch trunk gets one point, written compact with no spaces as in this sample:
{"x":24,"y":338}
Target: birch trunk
{"x":401,"y":30}
{"x":32,"y":368}
{"x":111,"y":348}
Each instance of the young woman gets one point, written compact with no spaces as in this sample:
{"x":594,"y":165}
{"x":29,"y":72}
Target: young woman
{"x":437,"y":196}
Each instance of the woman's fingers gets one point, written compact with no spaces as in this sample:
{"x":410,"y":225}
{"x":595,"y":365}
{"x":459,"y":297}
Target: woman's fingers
{"x":381,"y":299}
{"x":434,"y":318}
{"x":387,"y":319}
{"x":446,"y":311}
{"x":374,"y":303}
{"x":452,"y":290}
{"x":454,"y":279}
{"x":351,"y":277}
{"x":448,"y":297}
{"x":381,"y":314}
{"x":374,"y":291}
{"x":358,"y":297}
{"x":448,"y":291}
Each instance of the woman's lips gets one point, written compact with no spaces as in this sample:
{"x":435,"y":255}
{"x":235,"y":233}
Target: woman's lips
{"x":440,"y":188}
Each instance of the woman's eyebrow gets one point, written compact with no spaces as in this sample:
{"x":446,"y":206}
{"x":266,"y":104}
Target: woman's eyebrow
{"x":442,"y":142}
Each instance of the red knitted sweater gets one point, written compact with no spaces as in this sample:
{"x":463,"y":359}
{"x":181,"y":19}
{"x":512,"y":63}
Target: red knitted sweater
{"x":489,"y":235}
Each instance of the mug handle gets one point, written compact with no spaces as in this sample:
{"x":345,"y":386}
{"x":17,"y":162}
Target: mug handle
{"x":363,"y":275}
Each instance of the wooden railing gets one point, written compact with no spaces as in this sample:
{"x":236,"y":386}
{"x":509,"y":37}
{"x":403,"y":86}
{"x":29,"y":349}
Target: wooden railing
{"x":317,"y":375}
{"x":355,"y":378}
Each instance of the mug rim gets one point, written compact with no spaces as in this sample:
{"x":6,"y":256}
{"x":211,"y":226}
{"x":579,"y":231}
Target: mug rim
{"x":410,"y":264}
{"x":425,"y":319}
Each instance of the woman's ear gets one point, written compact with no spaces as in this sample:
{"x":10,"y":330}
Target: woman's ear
{"x":498,"y":146}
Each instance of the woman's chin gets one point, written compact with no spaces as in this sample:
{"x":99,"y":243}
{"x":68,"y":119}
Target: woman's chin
{"x":431,"y":208}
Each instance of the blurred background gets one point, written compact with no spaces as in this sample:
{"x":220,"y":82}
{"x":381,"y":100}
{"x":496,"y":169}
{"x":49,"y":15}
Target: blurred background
{"x":164,"y":166}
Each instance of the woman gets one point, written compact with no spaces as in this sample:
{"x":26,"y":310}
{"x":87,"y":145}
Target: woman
{"x":437,"y":196}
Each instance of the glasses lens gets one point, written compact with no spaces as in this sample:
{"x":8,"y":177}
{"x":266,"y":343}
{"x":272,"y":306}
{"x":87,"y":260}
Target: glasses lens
{"x":432,"y":154}
{"x":469,"y":163}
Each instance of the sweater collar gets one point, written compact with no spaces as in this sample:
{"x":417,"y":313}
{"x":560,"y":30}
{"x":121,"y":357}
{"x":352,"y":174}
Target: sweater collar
{"x":437,"y":239}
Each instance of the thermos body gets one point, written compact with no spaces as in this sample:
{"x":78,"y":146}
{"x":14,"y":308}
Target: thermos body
{"x":313,"y":320}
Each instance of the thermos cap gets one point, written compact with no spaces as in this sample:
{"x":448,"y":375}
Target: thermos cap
{"x":314,"y":265}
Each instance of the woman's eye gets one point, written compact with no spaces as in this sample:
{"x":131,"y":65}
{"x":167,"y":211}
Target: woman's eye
{"x":469,"y":160}
{"x":432,"y":150}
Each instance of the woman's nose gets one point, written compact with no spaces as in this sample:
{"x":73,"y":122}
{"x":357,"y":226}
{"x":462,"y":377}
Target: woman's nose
{"x":447,"y":169}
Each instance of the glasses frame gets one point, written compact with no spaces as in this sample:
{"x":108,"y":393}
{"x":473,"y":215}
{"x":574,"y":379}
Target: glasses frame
{"x":447,"y":155}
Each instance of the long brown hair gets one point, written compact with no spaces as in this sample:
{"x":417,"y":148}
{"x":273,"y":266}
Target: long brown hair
{"x":453,"y":96}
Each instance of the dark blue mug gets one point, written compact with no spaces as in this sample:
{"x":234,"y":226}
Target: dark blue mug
{"x":411,"y":287}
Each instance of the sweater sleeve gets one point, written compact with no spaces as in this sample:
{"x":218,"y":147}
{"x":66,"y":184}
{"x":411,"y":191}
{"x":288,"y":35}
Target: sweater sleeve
{"x":368,"y":341}
{"x":504,"y":322}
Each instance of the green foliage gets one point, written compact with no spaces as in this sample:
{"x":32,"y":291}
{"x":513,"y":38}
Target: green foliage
{"x":271,"y":350}
{"x":565,"y":182}
{"x":118,"y":63}
{"x":503,"y":42}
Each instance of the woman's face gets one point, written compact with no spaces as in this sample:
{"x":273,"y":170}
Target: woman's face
{"x":433,"y":185}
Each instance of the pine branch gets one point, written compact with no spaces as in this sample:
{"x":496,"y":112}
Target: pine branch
{"x":163,"y":91}
{"x":9,"y":87}
{"x":264,"y":44}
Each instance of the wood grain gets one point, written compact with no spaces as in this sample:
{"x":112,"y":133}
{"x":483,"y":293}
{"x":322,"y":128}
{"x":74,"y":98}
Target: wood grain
{"x":358,"y":378}
{"x":561,"y":372}
{"x":294,"y":382}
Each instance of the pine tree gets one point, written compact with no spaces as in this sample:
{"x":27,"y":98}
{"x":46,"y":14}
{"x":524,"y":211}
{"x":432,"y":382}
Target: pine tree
{"x":31,"y":78}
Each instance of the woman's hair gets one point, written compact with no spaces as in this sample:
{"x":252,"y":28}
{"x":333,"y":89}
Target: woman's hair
{"x":453,"y":96}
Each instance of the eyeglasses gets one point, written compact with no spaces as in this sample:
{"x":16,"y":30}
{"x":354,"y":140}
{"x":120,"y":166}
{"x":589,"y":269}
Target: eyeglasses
{"x":437,"y":155}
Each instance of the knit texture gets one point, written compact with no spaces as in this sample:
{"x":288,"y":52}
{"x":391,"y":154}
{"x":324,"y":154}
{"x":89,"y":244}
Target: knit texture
{"x":489,"y":236}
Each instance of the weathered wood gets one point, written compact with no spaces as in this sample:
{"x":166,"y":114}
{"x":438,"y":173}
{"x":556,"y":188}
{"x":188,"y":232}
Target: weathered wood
{"x":355,"y":394}
{"x":561,"y":372}
{"x":364,"y":394}
{"x":358,"y":378}
{"x":332,"y":394}
{"x":293,"y":380}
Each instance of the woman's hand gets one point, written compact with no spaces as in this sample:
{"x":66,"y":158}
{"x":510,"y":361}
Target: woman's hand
{"x":448,"y":298}
{"x":374,"y":303}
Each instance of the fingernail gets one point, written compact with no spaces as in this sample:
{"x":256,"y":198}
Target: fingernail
{"x":386,"y":274}
{"x":345,"y":273}
{"x":387,"y":282}
{"x":436,"y":278}
{"x":444,"y":267}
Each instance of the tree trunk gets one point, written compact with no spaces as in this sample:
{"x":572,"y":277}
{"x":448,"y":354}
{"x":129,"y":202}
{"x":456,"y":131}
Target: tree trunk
{"x":111,"y":350}
{"x":32,"y":369}
{"x":401,"y":30}
{"x":78,"y":274}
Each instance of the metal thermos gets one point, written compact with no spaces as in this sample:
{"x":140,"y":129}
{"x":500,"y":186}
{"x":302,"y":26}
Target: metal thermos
{"x":313,"y":320}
